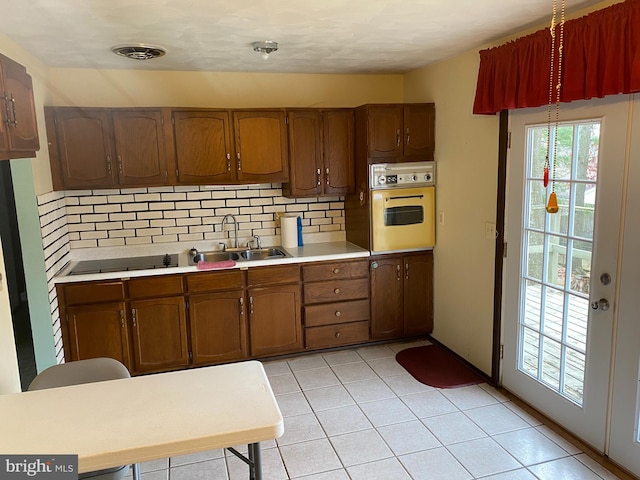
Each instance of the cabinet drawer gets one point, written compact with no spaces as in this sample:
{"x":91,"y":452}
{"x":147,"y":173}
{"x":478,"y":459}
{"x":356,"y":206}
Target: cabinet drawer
{"x":336,"y":291}
{"x":155,"y":286}
{"x":211,"y":281}
{"x":91,"y":292}
{"x":333,"y":335}
{"x":335,"y":270}
{"x":339,"y":312}
{"x":273,"y":275}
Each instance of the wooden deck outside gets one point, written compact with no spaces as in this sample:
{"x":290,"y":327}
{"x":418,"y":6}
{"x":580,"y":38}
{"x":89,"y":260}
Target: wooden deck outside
{"x":560,"y":336}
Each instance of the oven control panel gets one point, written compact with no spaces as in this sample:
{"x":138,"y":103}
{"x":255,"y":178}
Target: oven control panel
{"x":393,"y":175}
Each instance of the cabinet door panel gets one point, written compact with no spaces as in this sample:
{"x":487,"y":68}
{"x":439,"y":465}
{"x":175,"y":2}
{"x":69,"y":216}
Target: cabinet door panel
{"x":139,"y":143}
{"x":334,"y":335}
{"x":386,"y":298}
{"x":335,"y":270}
{"x":339,"y":312}
{"x":384,"y":131}
{"x":98,"y":331}
{"x":418,"y":131}
{"x":22,"y":133}
{"x":218,"y":327}
{"x":418,"y":292}
{"x":305,"y":156}
{"x":274,"y":320}
{"x":261,"y":146}
{"x":336,"y":291}
{"x":203,"y":148}
{"x":338,"y":152}
{"x":159,"y":334}
{"x":84,"y":153}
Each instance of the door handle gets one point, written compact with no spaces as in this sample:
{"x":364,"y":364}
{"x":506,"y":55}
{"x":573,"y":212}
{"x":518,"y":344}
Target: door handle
{"x":602,"y":304}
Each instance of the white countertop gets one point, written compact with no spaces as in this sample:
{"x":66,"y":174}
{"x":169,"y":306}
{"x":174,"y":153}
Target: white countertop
{"x":313,"y":252}
{"x":130,"y":420}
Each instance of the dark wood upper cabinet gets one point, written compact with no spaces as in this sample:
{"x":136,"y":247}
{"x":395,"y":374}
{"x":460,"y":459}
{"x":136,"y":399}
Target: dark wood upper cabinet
{"x":321,"y":153}
{"x":261,"y":146}
{"x":18,"y":127}
{"x":419,"y":126}
{"x":203,"y":147}
{"x":399,"y":132}
{"x":81,"y":148}
{"x":101,"y":148}
{"x":338,"y":151}
{"x":140,"y":147}
{"x":305,"y":154}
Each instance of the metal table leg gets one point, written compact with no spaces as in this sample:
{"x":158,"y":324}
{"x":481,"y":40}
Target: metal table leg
{"x":255,"y":457}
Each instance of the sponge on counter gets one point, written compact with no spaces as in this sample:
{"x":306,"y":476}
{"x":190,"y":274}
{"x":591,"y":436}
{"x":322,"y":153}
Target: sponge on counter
{"x":216,"y":265}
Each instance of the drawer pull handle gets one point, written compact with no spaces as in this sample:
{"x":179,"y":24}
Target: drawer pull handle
{"x":336,"y":271}
{"x":337,"y":334}
{"x":337,"y":290}
{"x":338,"y":313}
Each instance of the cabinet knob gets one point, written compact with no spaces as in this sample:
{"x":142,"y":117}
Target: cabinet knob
{"x":336,"y":270}
{"x":338,"y":313}
{"x":337,"y":334}
{"x":337,"y":290}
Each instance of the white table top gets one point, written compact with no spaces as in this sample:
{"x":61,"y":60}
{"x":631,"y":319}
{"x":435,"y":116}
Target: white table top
{"x":137,"y":419}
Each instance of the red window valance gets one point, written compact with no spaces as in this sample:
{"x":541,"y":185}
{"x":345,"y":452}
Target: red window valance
{"x":601,"y":57}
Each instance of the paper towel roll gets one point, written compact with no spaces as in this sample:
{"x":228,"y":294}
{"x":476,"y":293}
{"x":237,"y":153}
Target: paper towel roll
{"x":289,"y":231}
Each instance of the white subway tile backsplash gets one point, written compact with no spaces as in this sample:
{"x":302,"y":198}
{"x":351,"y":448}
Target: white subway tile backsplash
{"x":143,"y":216}
{"x":147,"y":197}
{"x":148,"y":215}
{"x":165,"y":238}
{"x":111,"y":242}
{"x":162,"y":206}
{"x":93,"y":200}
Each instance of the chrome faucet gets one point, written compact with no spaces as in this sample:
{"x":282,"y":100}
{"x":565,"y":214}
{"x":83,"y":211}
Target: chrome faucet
{"x":235,"y":227}
{"x":257,"y":242}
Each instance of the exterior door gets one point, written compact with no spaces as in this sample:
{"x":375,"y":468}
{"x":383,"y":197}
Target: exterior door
{"x":557,"y":348}
{"x":625,"y":442}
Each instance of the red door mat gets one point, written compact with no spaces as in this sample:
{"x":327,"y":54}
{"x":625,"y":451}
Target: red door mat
{"x":433,"y":365}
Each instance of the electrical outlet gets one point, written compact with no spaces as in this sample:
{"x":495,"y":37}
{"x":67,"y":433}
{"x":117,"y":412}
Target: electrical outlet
{"x":441,"y":218}
{"x":490,"y":231}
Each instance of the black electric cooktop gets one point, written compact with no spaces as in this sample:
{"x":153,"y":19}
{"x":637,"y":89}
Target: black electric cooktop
{"x":125,"y":264}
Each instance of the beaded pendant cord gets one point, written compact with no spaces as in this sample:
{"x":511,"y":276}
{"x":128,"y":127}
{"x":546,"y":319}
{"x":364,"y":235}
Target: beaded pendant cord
{"x":552,"y":203}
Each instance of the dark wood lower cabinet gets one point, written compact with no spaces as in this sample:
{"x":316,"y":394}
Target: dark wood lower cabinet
{"x":168,"y":322}
{"x":217,"y":327}
{"x":386,"y":298}
{"x":275,"y":325}
{"x":98,"y":331}
{"x":401,"y":295}
{"x":159,"y":327}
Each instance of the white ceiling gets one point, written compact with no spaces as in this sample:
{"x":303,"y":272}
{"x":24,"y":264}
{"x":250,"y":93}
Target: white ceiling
{"x":315,"y":36}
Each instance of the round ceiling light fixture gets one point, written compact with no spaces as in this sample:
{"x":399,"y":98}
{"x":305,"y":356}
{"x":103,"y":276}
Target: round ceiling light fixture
{"x":139,"y":51}
{"x":265,"y":48}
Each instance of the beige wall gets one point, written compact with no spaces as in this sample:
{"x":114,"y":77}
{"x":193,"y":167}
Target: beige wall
{"x":131,"y":88}
{"x":467,"y":158}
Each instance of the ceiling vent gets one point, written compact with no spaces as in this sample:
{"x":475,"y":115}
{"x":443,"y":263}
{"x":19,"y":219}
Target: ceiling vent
{"x":139,"y":51}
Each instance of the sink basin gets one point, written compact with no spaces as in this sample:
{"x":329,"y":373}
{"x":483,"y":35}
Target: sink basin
{"x":213,"y":257}
{"x":239,"y":255}
{"x":263,"y":254}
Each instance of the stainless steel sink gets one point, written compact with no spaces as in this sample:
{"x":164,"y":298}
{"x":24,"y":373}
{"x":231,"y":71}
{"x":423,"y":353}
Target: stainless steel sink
{"x":239,"y":255}
{"x":217,"y":256}
{"x":263,"y":254}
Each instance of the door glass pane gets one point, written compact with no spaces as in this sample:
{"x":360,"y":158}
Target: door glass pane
{"x":557,"y":252}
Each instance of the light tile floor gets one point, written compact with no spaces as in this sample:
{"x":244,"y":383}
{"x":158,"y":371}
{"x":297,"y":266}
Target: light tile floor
{"x":357,"y":414}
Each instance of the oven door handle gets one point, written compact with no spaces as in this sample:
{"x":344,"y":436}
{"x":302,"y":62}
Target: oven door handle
{"x":404,"y":197}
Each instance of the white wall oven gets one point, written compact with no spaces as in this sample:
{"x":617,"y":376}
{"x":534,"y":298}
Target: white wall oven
{"x":402,"y":206}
